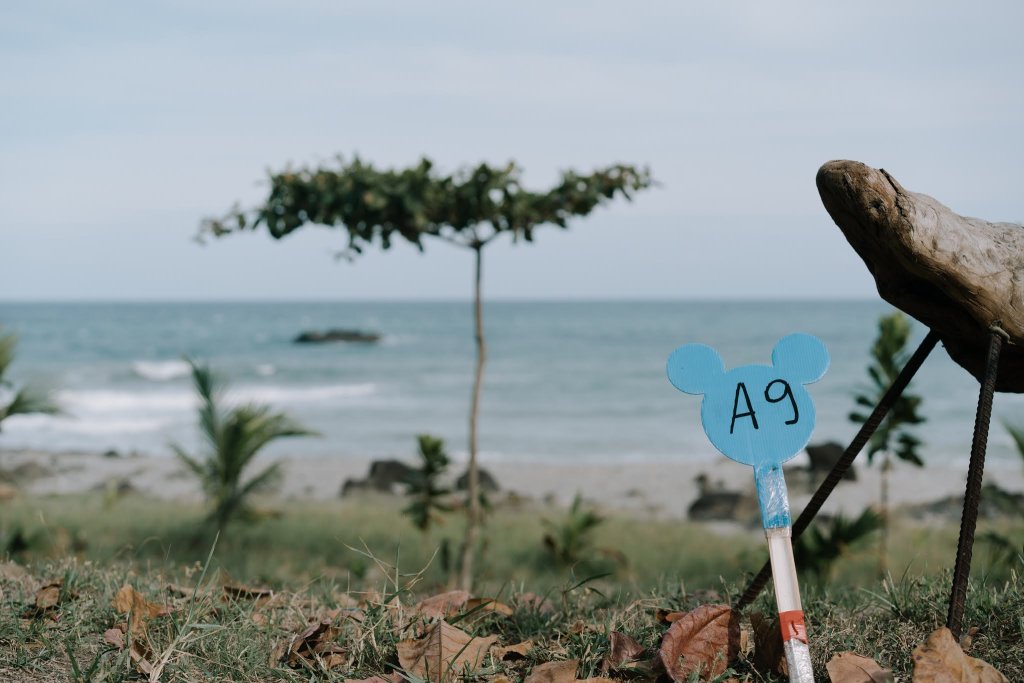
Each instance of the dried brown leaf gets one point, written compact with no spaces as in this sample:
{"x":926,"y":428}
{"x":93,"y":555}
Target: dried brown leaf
{"x":623,"y":649}
{"x":849,"y":667}
{"x":443,"y":605}
{"x":532,"y":601}
{"x":940,"y":660}
{"x":48,"y":596}
{"x":500,"y":678}
{"x":706,"y":639}
{"x":130,"y":601}
{"x":488,"y":605}
{"x":115,"y":637}
{"x":769,"y":655}
{"x":239,"y":591}
{"x":554,"y":672}
{"x":443,"y":653}
{"x":665,"y":616}
{"x":315,"y":643}
{"x":596,"y":679}
{"x":512,"y":652}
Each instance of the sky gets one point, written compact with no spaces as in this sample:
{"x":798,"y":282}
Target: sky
{"x":123,"y":124}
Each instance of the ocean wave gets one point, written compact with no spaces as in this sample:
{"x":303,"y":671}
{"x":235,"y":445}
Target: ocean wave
{"x":274,"y":394}
{"x":161,"y":370}
{"x":88,"y":426}
{"x":97,"y":402}
{"x":82,"y":402}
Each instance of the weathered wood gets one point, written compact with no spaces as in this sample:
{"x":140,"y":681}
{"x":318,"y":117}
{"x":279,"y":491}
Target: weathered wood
{"x":955,"y":274}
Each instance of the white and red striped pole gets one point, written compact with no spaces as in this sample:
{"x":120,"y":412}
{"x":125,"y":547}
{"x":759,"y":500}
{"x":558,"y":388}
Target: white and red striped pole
{"x":761,"y":415}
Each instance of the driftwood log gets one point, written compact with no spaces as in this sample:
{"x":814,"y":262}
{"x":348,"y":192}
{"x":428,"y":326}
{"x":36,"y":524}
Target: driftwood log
{"x":955,"y":274}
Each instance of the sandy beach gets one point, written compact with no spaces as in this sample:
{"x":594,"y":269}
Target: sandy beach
{"x":661,"y":490}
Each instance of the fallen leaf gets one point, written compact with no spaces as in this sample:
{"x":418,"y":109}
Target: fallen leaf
{"x":315,"y":644}
{"x":622,"y":649}
{"x":512,"y":652}
{"x":443,"y":653}
{"x":534,"y":602}
{"x":706,"y":639}
{"x":15,"y":573}
{"x":140,"y":655}
{"x":500,"y":678}
{"x":554,"y":672}
{"x":940,"y":660}
{"x":488,"y":605}
{"x":665,"y":616}
{"x":129,"y":601}
{"x":247,"y":592}
{"x":849,"y":667}
{"x":769,"y":655}
{"x":596,"y":679}
{"x":115,"y":637}
{"x":48,"y":596}
{"x":443,"y":605}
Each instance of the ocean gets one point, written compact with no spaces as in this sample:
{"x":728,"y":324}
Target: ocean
{"x":565,"y":381}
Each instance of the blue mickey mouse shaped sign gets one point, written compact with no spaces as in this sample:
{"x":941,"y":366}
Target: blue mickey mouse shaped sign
{"x":759,"y":415}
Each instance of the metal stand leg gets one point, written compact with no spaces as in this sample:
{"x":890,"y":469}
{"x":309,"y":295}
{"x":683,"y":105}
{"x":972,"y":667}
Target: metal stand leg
{"x":975,"y":474}
{"x":758,"y":583}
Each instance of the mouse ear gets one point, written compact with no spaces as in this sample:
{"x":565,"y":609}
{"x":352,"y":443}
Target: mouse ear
{"x":801,"y":357}
{"x":694,"y":367}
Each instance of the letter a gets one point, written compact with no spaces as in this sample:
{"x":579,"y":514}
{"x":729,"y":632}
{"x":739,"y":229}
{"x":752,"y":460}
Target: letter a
{"x":736,"y":404}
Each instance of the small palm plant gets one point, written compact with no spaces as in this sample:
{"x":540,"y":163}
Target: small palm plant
{"x":233,"y":438}
{"x":892,"y":438}
{"x":570,"y":540}
{"x":423,"y":485}
{"x":820,"y":547}
{"x":21,"y":401}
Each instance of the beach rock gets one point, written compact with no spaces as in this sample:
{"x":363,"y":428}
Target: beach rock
{"x":955,"y":274}
{"x":336,"y":335}
{"x":716,"y":504}
{"x":996,"y":502}
{"x":824,"y":457}
{"x":488,"y":484}
{"x":386,"y":476}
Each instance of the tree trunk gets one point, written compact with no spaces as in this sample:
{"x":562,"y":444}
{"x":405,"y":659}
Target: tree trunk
{"x":473,"y":517}
{"x":883,"y":541}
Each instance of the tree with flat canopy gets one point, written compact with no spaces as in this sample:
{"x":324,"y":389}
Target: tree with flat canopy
{"x":470,"y":208}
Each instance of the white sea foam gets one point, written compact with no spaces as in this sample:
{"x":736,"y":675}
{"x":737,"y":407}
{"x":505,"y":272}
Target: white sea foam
{"x":82,"y":402}
{"x":274,"y":394}
{"x":161,"y":370}
{"x":265,"y":370}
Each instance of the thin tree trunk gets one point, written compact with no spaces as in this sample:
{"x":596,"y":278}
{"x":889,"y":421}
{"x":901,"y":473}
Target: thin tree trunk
{"x":883,"y":542}
{"x":473,"y":517}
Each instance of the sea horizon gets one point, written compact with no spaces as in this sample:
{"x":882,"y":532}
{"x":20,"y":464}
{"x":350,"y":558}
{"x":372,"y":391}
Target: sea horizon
{"x":566,"y":380}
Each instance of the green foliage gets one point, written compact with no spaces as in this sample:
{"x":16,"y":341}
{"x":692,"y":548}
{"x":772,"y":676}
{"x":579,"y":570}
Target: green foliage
{"x":424,"y":487}
{"x":233,"y":439}
{"x":21,"y":401}
{"x":570,"y":540}
{"x":469,"y":207}
{"x":889,"y":355}
{"x":821,"y":546}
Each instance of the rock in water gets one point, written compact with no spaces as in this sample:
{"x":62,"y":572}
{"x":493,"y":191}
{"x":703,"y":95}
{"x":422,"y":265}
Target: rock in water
{"x":955,"y":274}
{"x":336,"y":335}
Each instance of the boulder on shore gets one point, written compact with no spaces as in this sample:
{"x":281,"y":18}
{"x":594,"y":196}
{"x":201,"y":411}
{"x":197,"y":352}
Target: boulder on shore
{"x":336,"y":335}
{"x":488,"y":484}
{"x":385,"y":476}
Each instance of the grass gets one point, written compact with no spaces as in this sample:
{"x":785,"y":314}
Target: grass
{"x":345,"y":559}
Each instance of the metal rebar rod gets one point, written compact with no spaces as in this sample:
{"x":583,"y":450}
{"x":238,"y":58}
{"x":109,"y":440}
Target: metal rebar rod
{"x":975,"y":474}
{"x":882,"y":409}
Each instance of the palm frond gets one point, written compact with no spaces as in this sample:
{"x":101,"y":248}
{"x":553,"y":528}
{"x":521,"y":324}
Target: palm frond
{"x":7,"y":343}
{"x":30,"y":400}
